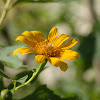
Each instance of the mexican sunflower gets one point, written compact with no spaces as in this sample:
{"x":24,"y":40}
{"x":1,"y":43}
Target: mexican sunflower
{"x":50,"y":49}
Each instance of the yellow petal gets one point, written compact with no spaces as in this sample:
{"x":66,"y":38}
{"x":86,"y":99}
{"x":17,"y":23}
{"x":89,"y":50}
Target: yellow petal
{"x":63,"y":65}
{"x":40,"y":58}
{"x":52,"y":34}
{"x":69,"y":55}
{"x":69,"y":44}
{"x":24,"y":50}
{"x":26,"y":41}
{"x":34,"y":35}
{"x":58,"y":63}
{"x":60,"y":39}
{"x":15,"y":52}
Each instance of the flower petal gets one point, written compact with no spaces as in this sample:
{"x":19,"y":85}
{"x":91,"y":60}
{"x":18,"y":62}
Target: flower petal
{"x":24,"y":50}
{"x":34,"y":35}
{"x":69,"y":44}
{"x":26,"y":41}
{"x":40,"y":58}
{"x":60,"y":39}
{"x":68,"y":55}
{"x":52,"y":34}
{"x":57,"y":62}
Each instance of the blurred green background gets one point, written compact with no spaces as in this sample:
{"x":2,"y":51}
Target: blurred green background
{"x":77,"y":18}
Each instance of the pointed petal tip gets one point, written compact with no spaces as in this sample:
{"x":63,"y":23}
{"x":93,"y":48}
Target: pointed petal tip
{"x":56,"y":27}
{"x":74,"y":41}
{"x":25,"y":32}
{"x":15,"y":53}
{"x":17,"y":38}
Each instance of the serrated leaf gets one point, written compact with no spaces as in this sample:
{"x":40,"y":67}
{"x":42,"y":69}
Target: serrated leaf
{"x":22,"y":80}
{"x":10,"y":61}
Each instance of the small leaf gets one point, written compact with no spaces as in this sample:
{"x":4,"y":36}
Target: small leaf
{"x":33,"y":70}
{"x":22,"y":74}
{"x":22,"y":80}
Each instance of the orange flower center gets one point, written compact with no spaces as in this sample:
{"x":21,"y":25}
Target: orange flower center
{"x":45,"y":48}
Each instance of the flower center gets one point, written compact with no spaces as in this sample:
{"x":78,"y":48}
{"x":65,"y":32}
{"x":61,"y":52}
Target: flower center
{"x":45,"y":48}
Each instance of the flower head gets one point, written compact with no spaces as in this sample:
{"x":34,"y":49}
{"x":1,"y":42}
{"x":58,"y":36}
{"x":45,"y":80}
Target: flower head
{"x":50,"y":49}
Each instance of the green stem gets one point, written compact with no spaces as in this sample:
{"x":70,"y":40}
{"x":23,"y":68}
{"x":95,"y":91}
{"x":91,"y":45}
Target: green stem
{"x":4,"y":13}
{"x":35,"y":74}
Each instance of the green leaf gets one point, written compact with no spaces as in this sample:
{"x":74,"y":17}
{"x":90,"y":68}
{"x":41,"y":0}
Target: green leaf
{"x":10,"y":61}
{"x":40,"y":1}
{"x":19,"y":76}
{"x":34,"y":70}
{"x":22,"y":74}
{"x":2,"y":45}
{"x":42,"y":93}
{"x":4,"y":1}
{"x":4,"y":75}
{"x":22,"y":80}
{"x":1,"y":77}
{"x":87,"y":50}
{"x":5,"y":51}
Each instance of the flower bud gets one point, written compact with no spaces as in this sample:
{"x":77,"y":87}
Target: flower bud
{"x":6,"y":95}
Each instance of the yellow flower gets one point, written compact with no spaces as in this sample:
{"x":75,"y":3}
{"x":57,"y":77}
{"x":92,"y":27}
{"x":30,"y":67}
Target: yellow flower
{"x":50,"y":49}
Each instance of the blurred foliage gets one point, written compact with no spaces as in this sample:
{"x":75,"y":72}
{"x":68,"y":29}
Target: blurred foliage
{"x":39,"y":1}
{"x":43,"y":93}
{"x":1,"y":77}
{"x":10,"y":61}
{"x":87,"y":50}
{"x":42,"y":15}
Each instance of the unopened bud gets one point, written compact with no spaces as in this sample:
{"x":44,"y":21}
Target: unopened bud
{"x":6,"y":95}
